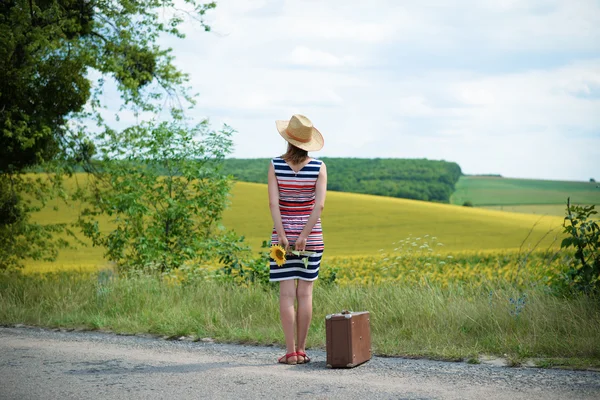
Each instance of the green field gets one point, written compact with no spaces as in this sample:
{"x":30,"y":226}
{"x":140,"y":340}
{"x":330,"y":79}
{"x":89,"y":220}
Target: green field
{"x":495,"y":191}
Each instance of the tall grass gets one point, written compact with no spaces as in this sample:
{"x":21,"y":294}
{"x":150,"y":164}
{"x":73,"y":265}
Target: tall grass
{"x":453,"y":322}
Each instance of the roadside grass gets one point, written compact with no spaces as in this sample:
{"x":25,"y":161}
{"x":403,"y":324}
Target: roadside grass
{"x":456,"y":322}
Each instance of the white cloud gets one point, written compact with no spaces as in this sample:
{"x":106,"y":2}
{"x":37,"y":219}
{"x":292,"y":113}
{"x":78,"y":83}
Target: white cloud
{"x":303,"y":56}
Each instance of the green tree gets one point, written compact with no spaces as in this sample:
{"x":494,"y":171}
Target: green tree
{"x":20,"y":238}
{"x":49,"y":52}
{"x":164,"y":193}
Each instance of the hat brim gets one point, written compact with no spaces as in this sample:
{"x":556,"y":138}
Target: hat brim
{"x":315,"y":144}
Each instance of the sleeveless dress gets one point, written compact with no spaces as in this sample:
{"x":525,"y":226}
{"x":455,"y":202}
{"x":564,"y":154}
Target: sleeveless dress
{"x":296,"y":201}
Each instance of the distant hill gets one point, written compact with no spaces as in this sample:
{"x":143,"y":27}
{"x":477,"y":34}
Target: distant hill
{"x":418,"y":179}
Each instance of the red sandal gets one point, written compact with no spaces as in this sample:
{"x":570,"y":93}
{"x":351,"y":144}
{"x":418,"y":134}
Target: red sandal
{"x":304,"y":356}
{"x":284,"y":359}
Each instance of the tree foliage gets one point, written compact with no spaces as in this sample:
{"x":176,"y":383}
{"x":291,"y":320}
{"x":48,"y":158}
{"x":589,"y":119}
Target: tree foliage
{"x":584,"y":236}
{"x":50,"y":48}
{"x":417,"y":179}
{"x":164,"y":193}
{"x":42,"y":80}
{"x":56,"y":58}
{"x":21,"y":238}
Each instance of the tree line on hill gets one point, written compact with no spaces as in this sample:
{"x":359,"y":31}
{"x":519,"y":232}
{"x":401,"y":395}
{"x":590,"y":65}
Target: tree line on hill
{"x":417,"y":179}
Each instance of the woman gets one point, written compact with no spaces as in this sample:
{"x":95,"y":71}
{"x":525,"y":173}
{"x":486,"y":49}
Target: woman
{"x":297,"y":186}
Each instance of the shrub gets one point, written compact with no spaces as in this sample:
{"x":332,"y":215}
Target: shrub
{"x":163,"y":188}
{"x":584,"y":236}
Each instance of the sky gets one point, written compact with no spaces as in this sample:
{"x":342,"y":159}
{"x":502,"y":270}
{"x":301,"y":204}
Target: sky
{"x":504,"y":87}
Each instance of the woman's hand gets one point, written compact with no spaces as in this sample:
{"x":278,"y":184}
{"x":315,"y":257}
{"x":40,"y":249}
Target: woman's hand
{"x":301,"y":243}
{"x":284,"y":242}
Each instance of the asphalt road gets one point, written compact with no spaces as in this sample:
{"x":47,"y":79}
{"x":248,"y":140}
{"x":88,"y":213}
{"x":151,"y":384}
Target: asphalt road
{"x":43,"y":364}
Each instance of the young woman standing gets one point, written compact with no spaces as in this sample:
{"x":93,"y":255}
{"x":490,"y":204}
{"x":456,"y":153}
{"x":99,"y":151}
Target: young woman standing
{"x":297,"y":188}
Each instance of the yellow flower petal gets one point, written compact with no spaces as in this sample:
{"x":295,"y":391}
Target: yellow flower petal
{"x":278,"y":254}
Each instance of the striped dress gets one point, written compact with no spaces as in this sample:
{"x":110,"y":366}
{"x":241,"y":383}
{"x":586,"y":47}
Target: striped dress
{"x":296,"y":202}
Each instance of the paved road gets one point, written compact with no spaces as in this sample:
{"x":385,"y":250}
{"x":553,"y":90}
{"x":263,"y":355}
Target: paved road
{"x":43,"y":364}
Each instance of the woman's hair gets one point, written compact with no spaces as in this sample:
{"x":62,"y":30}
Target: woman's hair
{"x":295,"y":155}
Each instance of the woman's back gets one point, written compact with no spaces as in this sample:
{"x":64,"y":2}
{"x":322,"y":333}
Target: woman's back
{"x":297,"y":188}
{"x":297,"y":194}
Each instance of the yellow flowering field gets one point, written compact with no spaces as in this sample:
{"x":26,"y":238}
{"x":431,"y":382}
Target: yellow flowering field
{"x":356,"y":224}
{"x":475,"y":270}
{"x":358,"y":230}
{"x":422,"y":268}
{"x":417,"y":261}
{"x":491,"y":270}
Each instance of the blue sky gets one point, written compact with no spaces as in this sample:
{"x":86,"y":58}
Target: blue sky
{"x":504,"y":86}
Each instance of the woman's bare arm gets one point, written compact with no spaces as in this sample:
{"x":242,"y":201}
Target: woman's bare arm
{"x":274,"y":206}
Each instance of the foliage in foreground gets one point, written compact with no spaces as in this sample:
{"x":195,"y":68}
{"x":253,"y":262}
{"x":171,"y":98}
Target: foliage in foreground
{"x":455,"y":322}
{"x":57,"y":56}
{"x":584,"y":236}
{"x":22,"y":238}
{"x":163,"y":191}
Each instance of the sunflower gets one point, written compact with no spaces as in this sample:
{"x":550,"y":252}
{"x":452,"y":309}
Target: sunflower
{"x":278,"y":254}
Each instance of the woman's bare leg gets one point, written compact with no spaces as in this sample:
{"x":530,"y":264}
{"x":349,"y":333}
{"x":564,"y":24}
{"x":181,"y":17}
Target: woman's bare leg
{"x":287,"y":298}
{"x":304,"y":295}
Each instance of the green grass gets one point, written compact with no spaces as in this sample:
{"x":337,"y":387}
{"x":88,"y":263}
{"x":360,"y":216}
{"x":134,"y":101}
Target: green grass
{"x":488,"y":191}
{"x":458,"y":322}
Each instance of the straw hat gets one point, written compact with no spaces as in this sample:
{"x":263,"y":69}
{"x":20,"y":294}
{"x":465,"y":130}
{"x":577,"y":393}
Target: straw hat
{"x":300,"y":132}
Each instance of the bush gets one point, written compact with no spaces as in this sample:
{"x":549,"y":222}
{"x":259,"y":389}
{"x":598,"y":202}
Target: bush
{"x":164,"y":189}
{"x":584,"y":236}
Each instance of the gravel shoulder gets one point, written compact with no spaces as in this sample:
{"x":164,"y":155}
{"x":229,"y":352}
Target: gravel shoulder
{"x":37,"y":363}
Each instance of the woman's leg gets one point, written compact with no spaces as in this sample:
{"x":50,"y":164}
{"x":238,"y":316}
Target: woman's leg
{"x":304,"y":295}
{"x":287,"y":298}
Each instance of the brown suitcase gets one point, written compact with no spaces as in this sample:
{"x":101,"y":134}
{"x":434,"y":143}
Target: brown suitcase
{"x":348,"y":339}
